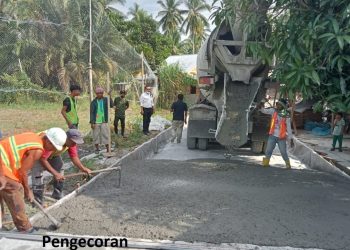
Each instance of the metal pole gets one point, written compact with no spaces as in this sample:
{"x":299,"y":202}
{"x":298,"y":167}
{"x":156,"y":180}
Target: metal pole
{"x":142,"y":73}
{"x":109,"y":128}
{"x":90,"y":55}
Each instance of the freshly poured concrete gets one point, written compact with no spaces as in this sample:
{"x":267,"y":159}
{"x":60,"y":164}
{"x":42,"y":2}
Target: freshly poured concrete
{"x":195,"y":199}
{"x":214,"y":201}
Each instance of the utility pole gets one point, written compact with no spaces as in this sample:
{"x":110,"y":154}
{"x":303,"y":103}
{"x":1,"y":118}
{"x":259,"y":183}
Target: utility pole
{"x":90,"y":55}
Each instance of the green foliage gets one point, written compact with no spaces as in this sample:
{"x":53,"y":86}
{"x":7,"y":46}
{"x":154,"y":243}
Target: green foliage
{"x":142,"y":33}
{"x":172,"y":81}
{"x":53,"y":50}
{"x":171,"y":16}
{"x":17,"y":88}
{"x":223,"y":10}
{"x":309,"y":39}
{"x":195,"y":24}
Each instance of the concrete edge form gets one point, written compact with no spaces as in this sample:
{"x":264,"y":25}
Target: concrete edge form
{"x":313,"y":160}
{"x":135,"y":243}
{"x":143,"y":151}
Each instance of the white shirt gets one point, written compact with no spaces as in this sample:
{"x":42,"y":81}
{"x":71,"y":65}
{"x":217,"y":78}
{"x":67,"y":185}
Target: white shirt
{"x":276,"y":133}
{"x":146,"y":100}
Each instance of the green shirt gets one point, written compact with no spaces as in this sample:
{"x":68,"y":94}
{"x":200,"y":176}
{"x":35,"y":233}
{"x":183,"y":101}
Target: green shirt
{"x":121,"y":104}
{"x":100,"y":112}
{"x":338,"y":127}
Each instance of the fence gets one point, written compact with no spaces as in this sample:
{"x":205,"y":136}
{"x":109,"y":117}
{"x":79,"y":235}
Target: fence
{"x":44,"y":45}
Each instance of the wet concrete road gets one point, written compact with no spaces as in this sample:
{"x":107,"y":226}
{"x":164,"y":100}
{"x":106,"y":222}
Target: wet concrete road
{"x":205,"y":196}
{"x":197,"y":196}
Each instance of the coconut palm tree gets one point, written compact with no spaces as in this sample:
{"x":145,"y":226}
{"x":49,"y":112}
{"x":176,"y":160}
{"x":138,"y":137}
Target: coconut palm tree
{"x":137,"y":13}
{"x":54,"y":50}
{"x":171,"y":15}
{"x":195,"y":22}
{"x":122,"y":2}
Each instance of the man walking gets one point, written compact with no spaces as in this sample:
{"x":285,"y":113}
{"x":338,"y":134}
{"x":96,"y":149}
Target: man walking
{"x":18,"y":154}
{"x":120,"y":105}
{"x":69,"y":109}
{"x":179,"y":109}
{"x":280,"y":130}
{"x":147,"y":109}
{"x":52,"y":162}
{"x":99,"y":119}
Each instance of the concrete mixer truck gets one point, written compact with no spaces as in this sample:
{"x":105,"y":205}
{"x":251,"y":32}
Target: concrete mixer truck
{"x":231,"y":82}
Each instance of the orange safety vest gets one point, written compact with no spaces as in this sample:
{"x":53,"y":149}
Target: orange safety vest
{"x":13,"y":149}
{"x":283,"y":126}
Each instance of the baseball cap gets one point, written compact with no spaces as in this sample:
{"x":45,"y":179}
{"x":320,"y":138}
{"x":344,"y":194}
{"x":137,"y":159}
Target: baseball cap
{"x":75,"y":136}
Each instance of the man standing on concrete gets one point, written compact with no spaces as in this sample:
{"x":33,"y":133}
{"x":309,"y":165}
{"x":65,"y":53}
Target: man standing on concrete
{"x":338,"y":131}
{"x":69,"y":109}
{"x":120,"y":105}
{"x":18,"y":154}
{"x":99,"y":119}
{"x":52,"y":162}
{"x":280,"y":130}
{"x":179,"y":109}
{"x":147,"y":108}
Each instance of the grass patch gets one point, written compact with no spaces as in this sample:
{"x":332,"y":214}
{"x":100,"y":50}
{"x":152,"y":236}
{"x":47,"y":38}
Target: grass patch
{"x":39,"y":116}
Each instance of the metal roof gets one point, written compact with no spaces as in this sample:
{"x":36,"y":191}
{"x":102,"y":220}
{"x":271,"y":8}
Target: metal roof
{"x":188,"y":63}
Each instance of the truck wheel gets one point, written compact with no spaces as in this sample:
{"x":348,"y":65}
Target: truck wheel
{"x":191,"y":143}
{"x":203,"y":143}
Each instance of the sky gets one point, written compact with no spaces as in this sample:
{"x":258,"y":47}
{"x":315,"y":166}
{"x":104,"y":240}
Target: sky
{"x":150,"y":6}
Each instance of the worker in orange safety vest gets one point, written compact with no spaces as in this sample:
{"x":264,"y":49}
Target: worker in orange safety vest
{"x":280,"y":130}
{"x":18,"y":154}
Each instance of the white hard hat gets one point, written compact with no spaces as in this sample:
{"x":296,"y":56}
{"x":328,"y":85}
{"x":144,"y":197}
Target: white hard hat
{"x":57,"y":137}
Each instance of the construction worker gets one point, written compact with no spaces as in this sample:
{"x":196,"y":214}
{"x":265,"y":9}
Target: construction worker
{"x":179,"y":110}
{"x":280,"y":131}
{"x":120,"y":106}
{"x":2,"y":177}
{"x":69,"y":109}
{"x":52,"y":161}
{"x":18,"y":154}
{"x":99,"y":117}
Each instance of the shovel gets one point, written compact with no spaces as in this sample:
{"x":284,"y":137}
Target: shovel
{"x":93,"y":172}
{"x":55,"y":223}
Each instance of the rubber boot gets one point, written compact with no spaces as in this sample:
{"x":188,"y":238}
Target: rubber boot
{"x":288,"y":166}
{"x":266,"y":162}
{"x":38,"y":192}
{"x":57,"y":190}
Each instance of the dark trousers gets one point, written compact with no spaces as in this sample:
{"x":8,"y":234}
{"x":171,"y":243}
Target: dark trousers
{"x":75,"y":126}
{"x":122,"y":123}
{"x":38,"y":179}
{"x":147,"y":113}
{"x":338,"y":138}
{"x":57,"y":163}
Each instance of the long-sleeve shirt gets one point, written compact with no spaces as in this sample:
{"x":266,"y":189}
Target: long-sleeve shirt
{"x":146,"y":100}
{"x":94,"y":109}
{"x":276,"y":132}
